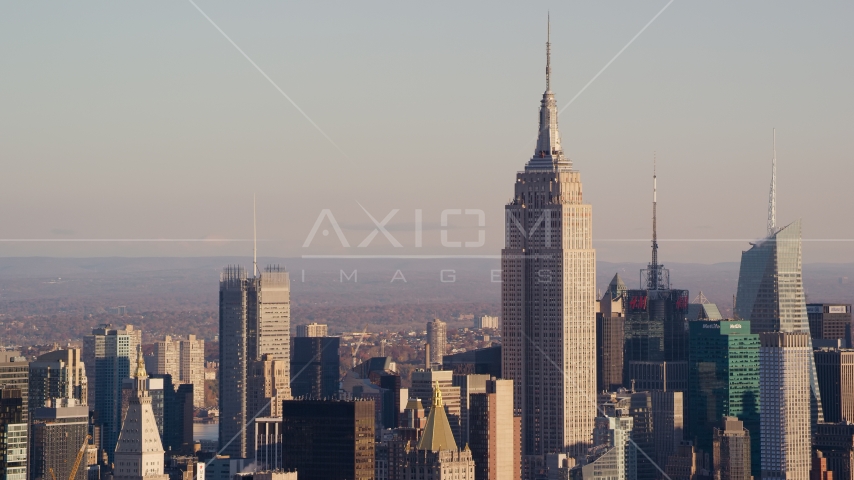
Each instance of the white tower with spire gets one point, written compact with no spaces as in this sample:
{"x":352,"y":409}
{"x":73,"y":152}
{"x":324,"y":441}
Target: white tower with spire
{"x":139,"y":452}
{"x":549,"y":298}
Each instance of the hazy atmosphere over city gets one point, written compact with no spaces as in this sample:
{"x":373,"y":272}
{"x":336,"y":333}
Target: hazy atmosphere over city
{"x":426,"y":241}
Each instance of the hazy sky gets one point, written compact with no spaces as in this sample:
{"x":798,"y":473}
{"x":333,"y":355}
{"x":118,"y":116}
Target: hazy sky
{"x":139,"y":120}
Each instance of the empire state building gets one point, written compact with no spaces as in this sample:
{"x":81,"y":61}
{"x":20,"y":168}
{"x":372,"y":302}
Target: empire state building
{"x":548,"y":298}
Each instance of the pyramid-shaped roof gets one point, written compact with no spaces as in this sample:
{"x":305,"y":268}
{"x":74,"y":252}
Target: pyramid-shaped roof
{"x":437,"y":434}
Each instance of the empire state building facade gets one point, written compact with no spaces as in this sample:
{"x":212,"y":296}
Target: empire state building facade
{"x":548,"y":298}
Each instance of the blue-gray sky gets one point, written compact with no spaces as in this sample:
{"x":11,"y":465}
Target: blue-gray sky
{"x":129,"y":120}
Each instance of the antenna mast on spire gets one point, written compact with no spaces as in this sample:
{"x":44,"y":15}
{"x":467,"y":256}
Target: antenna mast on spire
{"x":548,"y":52}
{"x":254,"y":241}
{"x":655,"y":276}
{"x":772,"y":196}
{"x":654,"y":264}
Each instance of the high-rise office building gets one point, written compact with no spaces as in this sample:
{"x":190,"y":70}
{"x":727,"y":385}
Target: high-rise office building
{"x":312,"y":330}
{"x":13,"y":434}
{"x":315,"y":367}
{"x":328,"y":439}
{"x":785,"y":407}
{"x":610,"y":338}
{"x":656,"y":341}
{"x":139,"y":452}
{"x":437,"y":339}
{"x":723,"y":381}
{"x":485,"y":361}
{"x":268,"y":386}
{"x":469,"y":385}
{"x":613,"y":457}
{"x":15,"y":373}
{"x":494,"y":432}
{"x":172,"y":406}
{"x":58,"y":374}
{"x":835,"y":369}
{"x":836,"y":442}
{"x":254,"y":320}
{"x":113,"y":353}
{"x":437,"y":450}
{"x":424,"y":385}
{"x":184,"y":360}
{"x":58,"y":433}
{"x":548,"y":291}
{"x":771,"y":294}
{"x":638,"y":406}
{"x":668,"y":419}
{"x":731,"y":451}
{"x":830,"y":321}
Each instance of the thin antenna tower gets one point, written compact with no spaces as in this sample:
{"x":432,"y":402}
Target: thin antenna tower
{"x":548,"y":52}
{"x":654,"y":214}
{"x":772,"y":196}
{"x":254,"y":240}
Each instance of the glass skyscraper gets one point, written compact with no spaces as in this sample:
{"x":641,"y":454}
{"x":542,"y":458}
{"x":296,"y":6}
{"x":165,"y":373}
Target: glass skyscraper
{"x":771,"y":293}
{"x":723,"y":380}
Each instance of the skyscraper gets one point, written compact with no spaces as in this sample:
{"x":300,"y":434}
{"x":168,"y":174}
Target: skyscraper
{"x":494,"y":432}
{"x":610,"y":337}
{"x":13,"y":434}
{"x":58,"y":433}
{"x":830,"y":321}
{"x":15,"y":373}
{"x":113,"y":353}
{"x":785,"y":408}
{"x":184,"y":360}
{"x":328,"y":439}
{"x":723,"y":380}
{"x":437,"y":338}
{"x":731,"y":451}
{"x":548,"y":295}
{"x":316,"y":360}
{"x":437,"y":451}
{"x":254,"y":320}
{"x":835,"y":369}
{"x":656,"y":342}
{"x":58,"y":374}
{"x":771,"y":294}
{"x":139,"y":452}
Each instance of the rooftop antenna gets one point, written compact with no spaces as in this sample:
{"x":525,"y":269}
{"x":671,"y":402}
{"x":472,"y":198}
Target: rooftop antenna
{"x":254,"y":240}
{"x":772,"y":196}
{"x":654,"y":206}
{"x":548,"y":52}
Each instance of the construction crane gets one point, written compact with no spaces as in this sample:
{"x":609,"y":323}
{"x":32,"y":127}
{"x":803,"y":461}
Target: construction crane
{"x":52,"y":475}
{"x":78,"y":459}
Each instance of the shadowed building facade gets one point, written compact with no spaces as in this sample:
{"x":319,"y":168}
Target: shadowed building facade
{"x":328,"y":439}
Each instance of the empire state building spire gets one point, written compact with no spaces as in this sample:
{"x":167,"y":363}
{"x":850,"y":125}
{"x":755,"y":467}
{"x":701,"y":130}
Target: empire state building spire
{"x":548,"y":153}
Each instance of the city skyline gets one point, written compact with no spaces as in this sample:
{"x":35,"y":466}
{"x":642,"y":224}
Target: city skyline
{"x":713,"y":129}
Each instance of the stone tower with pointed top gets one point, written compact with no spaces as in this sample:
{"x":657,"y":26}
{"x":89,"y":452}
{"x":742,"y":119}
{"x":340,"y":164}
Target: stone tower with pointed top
{"x":139,"y":451}
{"x":549,"y":298}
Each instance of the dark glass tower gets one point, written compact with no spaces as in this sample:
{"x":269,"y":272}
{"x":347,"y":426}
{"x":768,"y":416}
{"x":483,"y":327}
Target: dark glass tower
{"x":656,"y":341}
{"x":723,"y":380}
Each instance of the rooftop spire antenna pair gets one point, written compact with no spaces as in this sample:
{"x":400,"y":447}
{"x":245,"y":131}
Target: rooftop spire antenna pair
{"x":254,"y":241}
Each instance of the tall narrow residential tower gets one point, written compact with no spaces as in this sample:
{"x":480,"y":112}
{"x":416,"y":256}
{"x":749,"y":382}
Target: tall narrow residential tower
{"x":548,"y":298}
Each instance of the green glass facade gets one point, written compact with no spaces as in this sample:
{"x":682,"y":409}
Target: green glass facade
{"x":723,"y":380}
